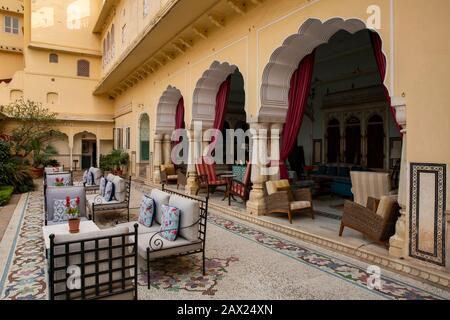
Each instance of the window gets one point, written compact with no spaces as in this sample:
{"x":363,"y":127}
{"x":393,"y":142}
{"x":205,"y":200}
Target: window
{"x":127,"y":138}
{"x":11,"y":25}
{"x":144,"y":137}
{"x":146,"y":8}
{"x":124,"y":33}
{"x":52,"y":98}
{"x":83,"y":68}
{"x":53,"y":58}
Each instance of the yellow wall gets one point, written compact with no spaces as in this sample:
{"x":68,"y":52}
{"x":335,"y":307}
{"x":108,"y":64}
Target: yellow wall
{"x":11,"y":63}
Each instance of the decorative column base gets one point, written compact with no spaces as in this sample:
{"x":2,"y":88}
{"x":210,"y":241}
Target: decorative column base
{"x":192,"y":185}
{"x":157,"y":175}
{"x":397,"y":243}
{"x":256,"y":207}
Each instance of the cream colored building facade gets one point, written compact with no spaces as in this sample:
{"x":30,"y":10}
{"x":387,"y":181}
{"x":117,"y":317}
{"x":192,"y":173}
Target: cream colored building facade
{"x":145,"y":55}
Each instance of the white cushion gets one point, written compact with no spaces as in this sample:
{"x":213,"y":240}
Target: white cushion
{"x":97,"y":175}
{"x":180,"y":245}
{"x":172,"y":177}
{"x":299,"y":205}
{"x":120,"y":189}
{"x":190,"y":214}
{"x":142,"y":229}
{"x":110,"y":177}
{"x":160,"y":198}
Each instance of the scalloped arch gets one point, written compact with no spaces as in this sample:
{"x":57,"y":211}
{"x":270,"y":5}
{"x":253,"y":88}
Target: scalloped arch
{"x":166,"y":110}
{"x":204,"y":101}
{"x":285,"y":60}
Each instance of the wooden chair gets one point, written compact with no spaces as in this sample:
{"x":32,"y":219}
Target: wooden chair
{"x":376,"y":220}
{"x":168,"y":174}
{"x":281,"y":198}
{"x":241,"y":188}
{"x":208,"y":178}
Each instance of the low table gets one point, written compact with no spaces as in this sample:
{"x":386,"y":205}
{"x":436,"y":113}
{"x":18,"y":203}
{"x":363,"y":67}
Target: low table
{"x":63,"y":229}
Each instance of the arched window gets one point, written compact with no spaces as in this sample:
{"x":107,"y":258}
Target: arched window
{"x":353,"y":141}
{"x":144,"y":137}
{"x":52,"y":98}
{"x":15,"y":95}
{"x":73,"y":16}
{"x":53,"y":58}
{"x":333,"y":141}
{"x":375,"y":142}
{"x":83,"y":68}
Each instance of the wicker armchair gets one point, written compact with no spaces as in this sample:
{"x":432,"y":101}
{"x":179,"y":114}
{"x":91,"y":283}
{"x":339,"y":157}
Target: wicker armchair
{"x":281,"y":198}
{"x":377,"y":220}
{"x":168,"y":174}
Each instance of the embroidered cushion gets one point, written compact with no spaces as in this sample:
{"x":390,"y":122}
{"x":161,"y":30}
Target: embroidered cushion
{"x":147,"y":212}
{"x":109,"y":192}
{"x":102,"y":186}
{"x":60,"y":210}
{"x":170,"y":222}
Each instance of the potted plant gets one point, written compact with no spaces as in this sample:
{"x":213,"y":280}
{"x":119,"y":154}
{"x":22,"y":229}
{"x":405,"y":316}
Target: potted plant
{"x":40,"y":157}
{"x":73,"y":213}
{"x":116,"y":162}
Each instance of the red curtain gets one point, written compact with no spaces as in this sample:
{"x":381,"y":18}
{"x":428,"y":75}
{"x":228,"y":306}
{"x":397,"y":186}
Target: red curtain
{"x":298,"y":98}
{"x":377,"y":46}
{"x":221,"y":103}
{"x":179,"y":115}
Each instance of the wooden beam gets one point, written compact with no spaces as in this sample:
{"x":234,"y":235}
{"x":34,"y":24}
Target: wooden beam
{"x":236,"y":7}
{"x":185,"y":43}
{"x":200,"y":33}
{"x":179,"y":48}
{"x":218,"y":22}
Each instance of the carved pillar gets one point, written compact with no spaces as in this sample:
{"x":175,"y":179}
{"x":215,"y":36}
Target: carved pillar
{"x":157,"y":155}
{"x":275,"y":137}
{"x":193,"y":155}
{"x":447,"y":243}
{"x":167,"y":149}
{"x":71,"y":153}
{"x":399,"y":242}
{"x":256,"y":204}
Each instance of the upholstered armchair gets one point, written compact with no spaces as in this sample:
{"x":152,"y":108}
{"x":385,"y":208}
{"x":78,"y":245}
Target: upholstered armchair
{"x":281,"y":198}
{"x":168,"y":174}
{"x":208,"y":178}
{"x":376,"y":220}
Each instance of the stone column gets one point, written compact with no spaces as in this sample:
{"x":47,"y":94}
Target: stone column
{"x":167,"y":149}
{"x":399,"y":242}
{"x":194,"y":153}
{"x":275,"y":136}
{"x":71,"y":153}
{"x":157,"y":155}
{"x":98,"y":154}
{"x":256,"y":204}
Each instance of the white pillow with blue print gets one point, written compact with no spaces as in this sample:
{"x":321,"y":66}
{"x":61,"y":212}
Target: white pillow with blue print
{"x":103,"y":183}
{"x":109,"y":192}
{"x":60,"y":210}
{"x":170,"y":222}
{"x":85,"y":176}
{"x":147,"y":212}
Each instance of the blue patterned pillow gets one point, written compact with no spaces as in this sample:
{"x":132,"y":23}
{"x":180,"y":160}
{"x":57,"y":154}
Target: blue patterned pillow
{"x":147,"y":212}
{"x":60,"y":210}
{"x":170,"y":224}
{"x":109,"y":192}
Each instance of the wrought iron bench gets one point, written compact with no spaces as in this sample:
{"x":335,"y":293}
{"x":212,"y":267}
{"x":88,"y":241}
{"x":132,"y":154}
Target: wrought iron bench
{"x":191,"y":233}
{"x":98,"y":204}
{"x":100,"y":265}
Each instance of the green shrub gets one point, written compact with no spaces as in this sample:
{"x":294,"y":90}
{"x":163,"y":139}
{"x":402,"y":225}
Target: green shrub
{"x":13,"y":172}
{"x":5,"y":194}
{"x":114,"y":160}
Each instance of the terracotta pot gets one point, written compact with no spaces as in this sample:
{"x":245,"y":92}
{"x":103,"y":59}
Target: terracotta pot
{"x":37,"y":173}
{"x":74,"y":225}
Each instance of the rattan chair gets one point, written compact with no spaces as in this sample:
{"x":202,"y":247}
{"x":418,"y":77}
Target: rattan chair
{"x":377,"y":220}
{"x":282,"y":199}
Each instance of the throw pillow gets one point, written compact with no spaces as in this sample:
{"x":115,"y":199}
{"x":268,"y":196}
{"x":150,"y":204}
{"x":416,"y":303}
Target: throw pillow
{"x":85,"y":176}
{"x":60,"y":209}
{"x":170,"y":222}
{"x":147,"y":212}
{"x":103,"y":183}
{"x":109,"y":192}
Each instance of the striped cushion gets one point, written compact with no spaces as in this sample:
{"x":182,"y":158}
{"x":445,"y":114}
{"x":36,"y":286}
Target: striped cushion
{"x":238,"y":189}
{"x":369,"y":184}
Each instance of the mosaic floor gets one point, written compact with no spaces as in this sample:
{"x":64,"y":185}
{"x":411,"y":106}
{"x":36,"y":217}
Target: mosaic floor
{"x":243,"y":262}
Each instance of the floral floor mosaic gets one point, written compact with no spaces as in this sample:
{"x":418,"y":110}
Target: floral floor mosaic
{"x":241,"y":260}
